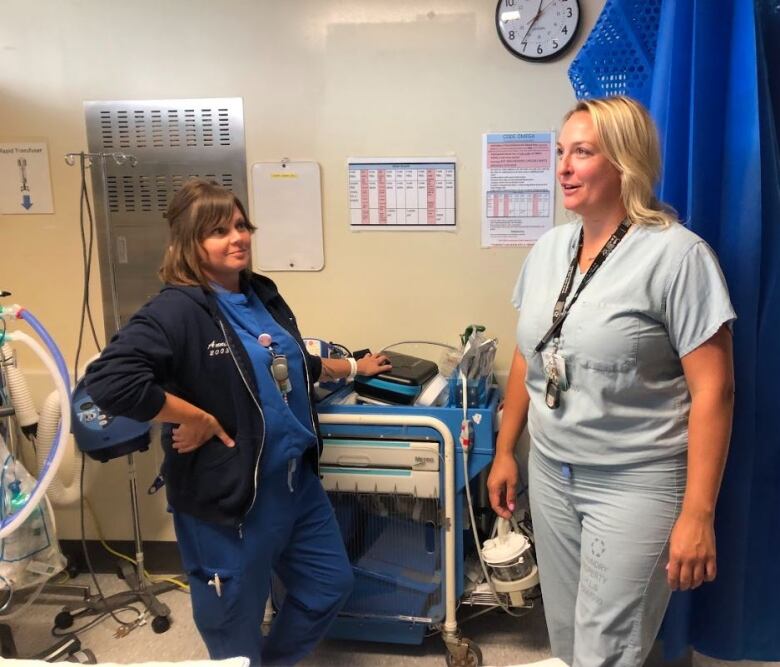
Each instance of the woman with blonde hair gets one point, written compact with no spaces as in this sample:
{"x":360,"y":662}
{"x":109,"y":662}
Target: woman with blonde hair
{"x":624,"y":378}
{"x":217,"y":357}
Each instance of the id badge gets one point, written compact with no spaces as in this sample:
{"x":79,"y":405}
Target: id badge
{"x":555,"y":369}
{"x":552,"y":394}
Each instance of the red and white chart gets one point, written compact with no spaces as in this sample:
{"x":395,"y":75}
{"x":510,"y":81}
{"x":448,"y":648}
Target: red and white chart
{"x":402,"y":193}
{"x":518,"y":180}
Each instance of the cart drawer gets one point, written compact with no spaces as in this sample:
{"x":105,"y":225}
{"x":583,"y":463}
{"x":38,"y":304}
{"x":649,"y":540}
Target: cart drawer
{"x":380,"y":480}
{"x":368,"y":453}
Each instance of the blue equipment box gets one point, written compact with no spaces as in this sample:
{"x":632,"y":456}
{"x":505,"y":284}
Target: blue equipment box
{"x":103,"y":436}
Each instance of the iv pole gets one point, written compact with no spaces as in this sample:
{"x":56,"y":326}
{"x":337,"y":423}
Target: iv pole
{"x":136,"y":579}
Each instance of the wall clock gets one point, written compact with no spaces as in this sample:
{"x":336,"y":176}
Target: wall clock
{"x":537,"y":30}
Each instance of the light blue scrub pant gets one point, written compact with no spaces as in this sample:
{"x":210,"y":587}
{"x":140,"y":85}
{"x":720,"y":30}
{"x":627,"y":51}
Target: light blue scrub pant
{"x":602,"y":536}
{"x":291,"y":530}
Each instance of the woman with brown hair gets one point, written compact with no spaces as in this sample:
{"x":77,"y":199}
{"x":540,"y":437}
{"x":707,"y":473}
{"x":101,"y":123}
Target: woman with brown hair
{"x":217,"y":357}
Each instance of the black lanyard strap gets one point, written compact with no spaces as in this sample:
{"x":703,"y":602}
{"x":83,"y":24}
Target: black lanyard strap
{"x":561,"y":311}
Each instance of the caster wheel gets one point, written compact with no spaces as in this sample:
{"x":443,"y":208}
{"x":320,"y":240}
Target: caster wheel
{"x":161,"y":624}
{"x":83,"y":657}
{"x":473,"y":656}
{"x":72,"y":568}
{"x":63,"y":620}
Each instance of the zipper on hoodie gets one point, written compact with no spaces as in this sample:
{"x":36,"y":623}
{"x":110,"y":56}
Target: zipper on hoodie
{"x":308,"y":384}
{"x":262,"y":417}
{"x":286,"y":321}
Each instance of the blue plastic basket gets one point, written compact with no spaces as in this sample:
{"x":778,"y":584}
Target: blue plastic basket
{"x":477,"y":391}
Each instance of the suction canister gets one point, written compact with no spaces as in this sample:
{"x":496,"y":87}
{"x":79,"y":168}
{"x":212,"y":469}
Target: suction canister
{"x":510,"y":562}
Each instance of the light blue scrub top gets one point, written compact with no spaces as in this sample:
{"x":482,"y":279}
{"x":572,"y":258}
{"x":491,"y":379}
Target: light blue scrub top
{"x":288,"y":427}
{"x":659,"y":295}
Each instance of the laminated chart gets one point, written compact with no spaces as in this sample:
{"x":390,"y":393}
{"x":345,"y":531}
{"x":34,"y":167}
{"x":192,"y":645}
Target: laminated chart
{"x":402,"y":193}
{"x":518,"y":170}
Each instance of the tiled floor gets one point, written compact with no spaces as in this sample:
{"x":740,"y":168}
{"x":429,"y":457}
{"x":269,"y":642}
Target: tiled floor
{"x":502,"y":639}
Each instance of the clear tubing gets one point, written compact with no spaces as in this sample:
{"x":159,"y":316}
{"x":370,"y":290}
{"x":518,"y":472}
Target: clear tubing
{"x":46,"y":474}
{"x":21,"y":399}
{"x":64,"y":488}
{"x":37,"y":327}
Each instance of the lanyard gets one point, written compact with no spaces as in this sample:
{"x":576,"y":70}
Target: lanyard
{"x":561,"y":311}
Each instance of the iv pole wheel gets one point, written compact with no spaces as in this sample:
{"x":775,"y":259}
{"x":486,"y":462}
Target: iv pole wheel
{"x":472,"y":657}
{"x":72,"y":568}
{"x":161,"y":624}
{"x":63,"y":620}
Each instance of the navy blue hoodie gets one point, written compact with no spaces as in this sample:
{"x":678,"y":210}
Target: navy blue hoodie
{"x":180,"y":342}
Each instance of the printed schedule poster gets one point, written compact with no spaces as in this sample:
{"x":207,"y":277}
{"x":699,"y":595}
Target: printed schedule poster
{"x":518,"y":187}
{"x":413,"y":194}
{"x":25,"y":183}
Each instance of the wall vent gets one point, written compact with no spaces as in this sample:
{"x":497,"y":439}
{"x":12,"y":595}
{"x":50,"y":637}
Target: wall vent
{"x":171,"y":140}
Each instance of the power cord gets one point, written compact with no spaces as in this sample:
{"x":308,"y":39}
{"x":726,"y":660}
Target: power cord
{"x":119,"y":554}
{"x":86,"y":260}
{"x":419,"y":342}
{"x":343,"y":350}
{"x":466,"y":443}
{"x":478,"y":543}
{"x":95,"y":621}
{"x":84,"y":549}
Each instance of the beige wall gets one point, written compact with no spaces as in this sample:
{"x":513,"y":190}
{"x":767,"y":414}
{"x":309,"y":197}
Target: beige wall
{"x":320,"y":80}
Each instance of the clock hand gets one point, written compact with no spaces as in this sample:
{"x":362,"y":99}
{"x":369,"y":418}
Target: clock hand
{"x":534,"y":16}
{"x":542,"y":10}
{"x":533,"y":20}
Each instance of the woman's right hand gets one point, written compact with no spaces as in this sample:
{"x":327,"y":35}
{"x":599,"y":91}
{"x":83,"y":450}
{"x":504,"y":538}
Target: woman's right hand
{"x":502,"y":485}
{"x":195,"y":426}
{"x":192,"y":432}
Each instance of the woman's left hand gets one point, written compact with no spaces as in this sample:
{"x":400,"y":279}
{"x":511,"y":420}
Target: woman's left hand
{"x":372,"y":364}
{"x":691,"y":551}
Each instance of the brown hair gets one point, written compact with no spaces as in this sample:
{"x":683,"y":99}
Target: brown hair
{"x":196,"y":208}
{"x":629,"y":139}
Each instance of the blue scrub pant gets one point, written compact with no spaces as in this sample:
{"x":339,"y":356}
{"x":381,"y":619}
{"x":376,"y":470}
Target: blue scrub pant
{"x":291,"y":530}
{"x":602,"y":535}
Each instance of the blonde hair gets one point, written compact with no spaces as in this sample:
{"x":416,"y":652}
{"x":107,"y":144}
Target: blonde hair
{"x":196,"y":208}
{"x":629,"y":140}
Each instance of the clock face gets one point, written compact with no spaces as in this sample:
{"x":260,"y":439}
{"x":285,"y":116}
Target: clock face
{"x":537,"y":29}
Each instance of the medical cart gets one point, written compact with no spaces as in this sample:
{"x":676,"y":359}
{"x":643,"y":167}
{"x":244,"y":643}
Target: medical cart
{"x":395,"y":476}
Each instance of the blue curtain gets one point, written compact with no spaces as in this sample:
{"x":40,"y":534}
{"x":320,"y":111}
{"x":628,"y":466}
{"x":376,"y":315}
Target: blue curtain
{"x":714,"y":92}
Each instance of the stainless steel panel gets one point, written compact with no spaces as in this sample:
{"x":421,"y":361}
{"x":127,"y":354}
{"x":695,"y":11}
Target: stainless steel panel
{"x":171,"y":140}
{"x":138,"y":249}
